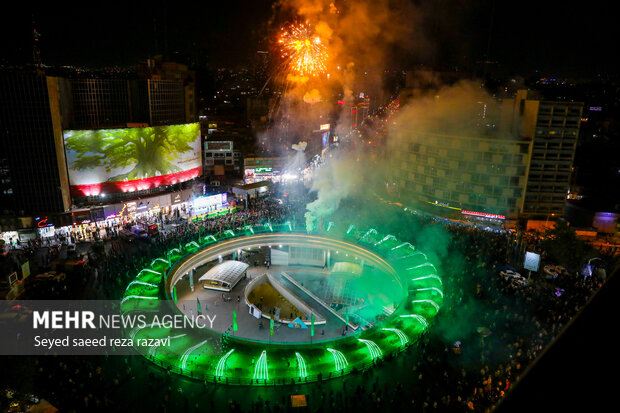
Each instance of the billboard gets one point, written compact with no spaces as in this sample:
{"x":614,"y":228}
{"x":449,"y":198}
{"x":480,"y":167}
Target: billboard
{"x":325,"y":138}
{"x":131,"y":159}
{"x":532,"y":261}
{"x":260,"y":174}
{"x":209,"y":203}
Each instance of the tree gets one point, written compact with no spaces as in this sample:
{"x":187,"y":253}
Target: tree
{"x":151,"y":150}
{"x":563,"y":247}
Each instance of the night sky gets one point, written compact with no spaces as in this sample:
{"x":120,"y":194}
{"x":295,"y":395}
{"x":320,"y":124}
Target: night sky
{"x":555,"y":38}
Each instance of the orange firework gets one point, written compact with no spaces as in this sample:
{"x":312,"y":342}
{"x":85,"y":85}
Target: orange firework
{"x":303,"y":50}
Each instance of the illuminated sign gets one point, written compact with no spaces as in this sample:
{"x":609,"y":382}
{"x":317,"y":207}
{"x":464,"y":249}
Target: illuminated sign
{"x":218,"y":145}
{"x":325,"y":139}
{"x":131,"y":159}
{"x":596,"y":108}
{"x":483,"y":215}
{"x":259,"y":174}
{"x":532,"y":261}
{"x":43,"y":223}
{"x":209,"y":203}
{"x":324,"y":126}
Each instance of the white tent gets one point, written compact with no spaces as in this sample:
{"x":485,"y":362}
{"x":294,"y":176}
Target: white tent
{"x":224,"y":276}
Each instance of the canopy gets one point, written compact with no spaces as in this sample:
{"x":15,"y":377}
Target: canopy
{"x":226,"y":274}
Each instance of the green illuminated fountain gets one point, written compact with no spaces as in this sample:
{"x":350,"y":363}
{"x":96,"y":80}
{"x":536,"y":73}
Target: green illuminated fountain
{"x":229,"y":357}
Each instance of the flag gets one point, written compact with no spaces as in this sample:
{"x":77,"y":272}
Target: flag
{"x":235,"y":328}
{"x":271,"y":326}
{"x":174,"y":294}
{"x":198,"y":306}
{"x":312,"y":325}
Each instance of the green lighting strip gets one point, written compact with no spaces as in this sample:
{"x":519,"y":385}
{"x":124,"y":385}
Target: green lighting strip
{"x":426,"y":264}
{"x":153,"y":349}
{"x":151,"y":271}
{"x":426,"y":277}
{"x":370,"y":231}
{"x":401,"y":335}
{"x":187,"y":353}
{"x":303,"y":373}
{"x":129,"y":297}
{"x":141,"y":283}
{"x":158,"y":259}
{"x":194,"y":243}
{"x":261,"y":371}
{"x":173,"y":250}
{"x":221,"y":365}
{"x":373,"y":348}
{"x":431,"y":302}
{"x":433,"y":289}
{"x":418,"y":317}
{"x":387,"y":237}
{"x":403,"y":245}
{"x":340,"y":362}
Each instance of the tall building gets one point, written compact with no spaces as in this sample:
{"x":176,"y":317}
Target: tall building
{"x":553,"y":127}
{"x":156,"y":69}
{"x":522,"y":170}
{"x":38,"y":113}
{"x":31,"y":155}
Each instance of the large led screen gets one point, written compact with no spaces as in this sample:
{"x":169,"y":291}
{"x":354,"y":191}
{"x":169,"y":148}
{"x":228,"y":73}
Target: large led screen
{"x":131,"y":159}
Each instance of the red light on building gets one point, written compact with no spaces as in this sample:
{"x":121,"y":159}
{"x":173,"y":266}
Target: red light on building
{"x":483,"y":215}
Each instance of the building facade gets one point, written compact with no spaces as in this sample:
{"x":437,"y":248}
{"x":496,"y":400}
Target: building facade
{"x":32,"y":165}
{"x":523,"y":173}
{"x":553,"y":127}
{"x":37,"y":110}
{"x":450,"y":174}
{"x":221,"y":160}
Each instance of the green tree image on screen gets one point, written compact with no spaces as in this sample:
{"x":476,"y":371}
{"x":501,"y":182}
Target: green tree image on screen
{"x":151,"y":151}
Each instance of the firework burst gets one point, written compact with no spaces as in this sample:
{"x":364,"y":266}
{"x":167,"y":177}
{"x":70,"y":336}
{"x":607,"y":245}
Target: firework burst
{"x":303,"y":49}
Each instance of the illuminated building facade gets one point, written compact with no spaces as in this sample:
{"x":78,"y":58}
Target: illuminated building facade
{"x":526,"y":175}
{"x":450,"y":174}
{"x":37,"y":111}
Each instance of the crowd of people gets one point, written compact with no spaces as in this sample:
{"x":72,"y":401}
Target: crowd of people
{"x":483,"y":339}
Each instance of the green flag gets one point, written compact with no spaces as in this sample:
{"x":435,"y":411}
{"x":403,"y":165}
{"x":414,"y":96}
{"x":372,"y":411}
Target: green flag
{"x":347,"y":318}
{"x":312,"y":325}
{"x":199,"y":309}
{"x":235,"y":328}
{"x":271,"y":326}
{"x":174,"y":294}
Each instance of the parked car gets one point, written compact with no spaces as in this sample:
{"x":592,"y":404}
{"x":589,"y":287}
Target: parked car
{"x":139,"y":232}
{"x":126,"y":235}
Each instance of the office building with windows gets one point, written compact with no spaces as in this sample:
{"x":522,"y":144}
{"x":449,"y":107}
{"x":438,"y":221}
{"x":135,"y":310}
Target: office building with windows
{"x":37,"y":111}
{"x":522,"y":171}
